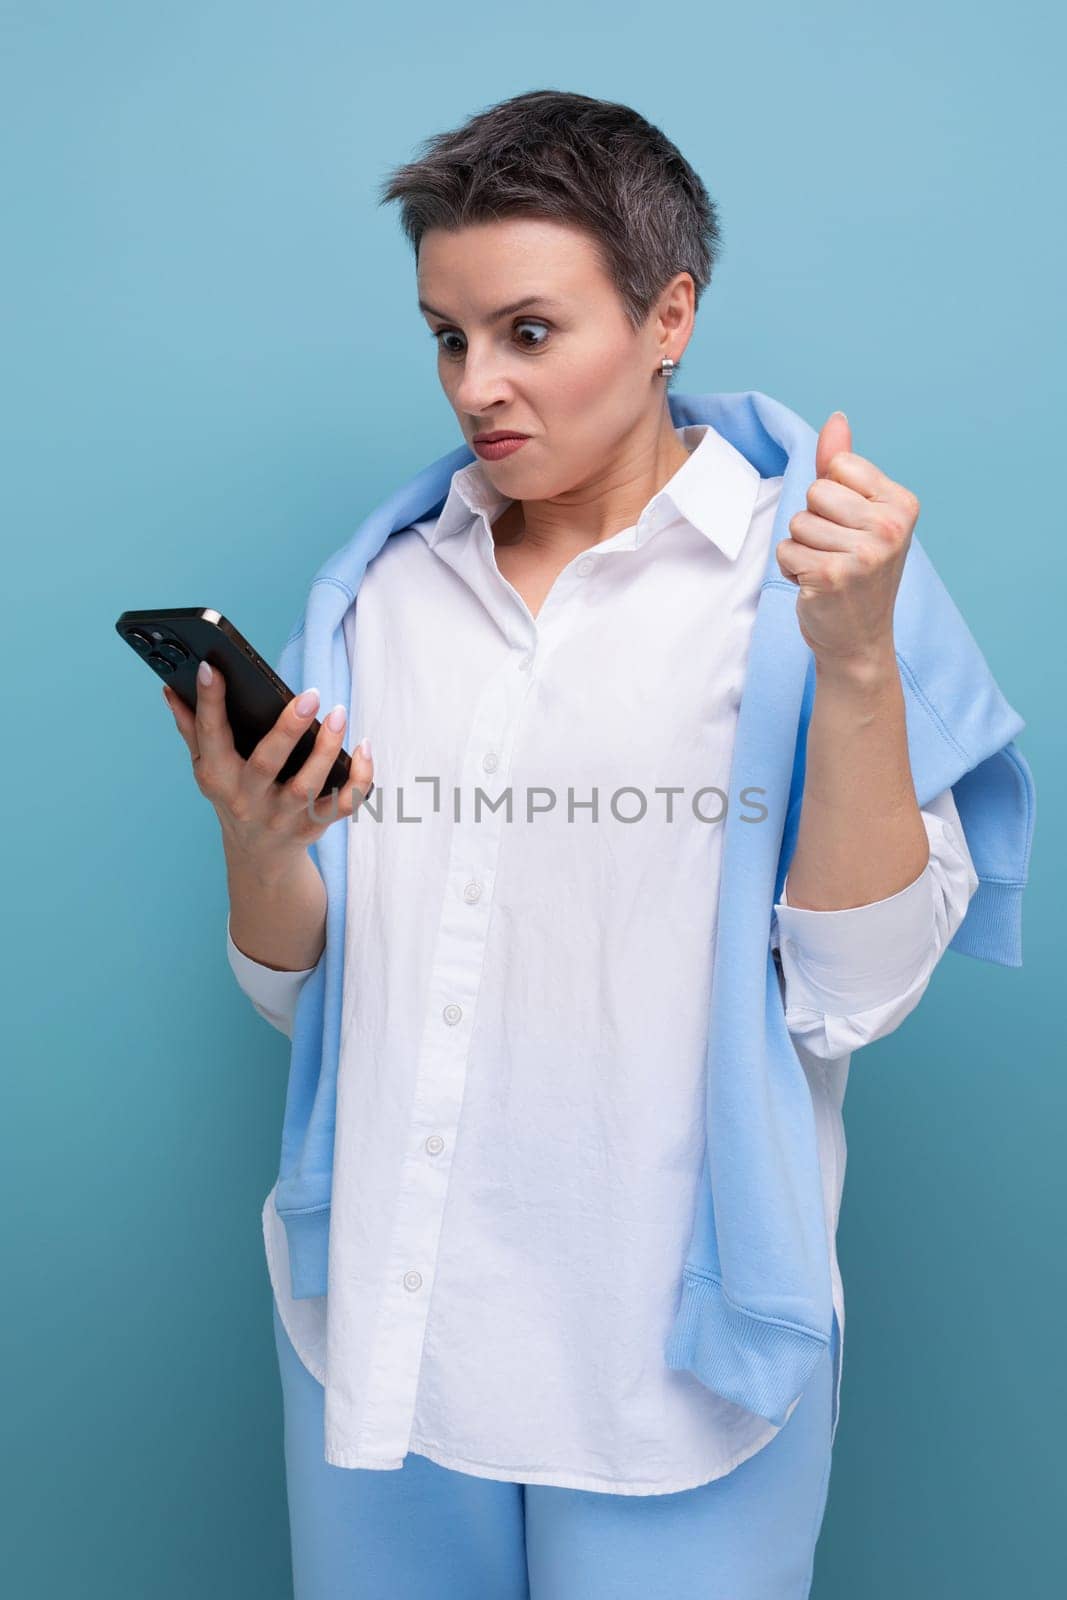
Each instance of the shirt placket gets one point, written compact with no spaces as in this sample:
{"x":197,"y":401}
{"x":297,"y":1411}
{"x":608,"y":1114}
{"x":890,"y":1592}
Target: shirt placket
{"x":444,"y":1050}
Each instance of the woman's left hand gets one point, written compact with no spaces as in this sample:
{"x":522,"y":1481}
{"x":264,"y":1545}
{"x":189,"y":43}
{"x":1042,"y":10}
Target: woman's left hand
{"x":847,"y":552}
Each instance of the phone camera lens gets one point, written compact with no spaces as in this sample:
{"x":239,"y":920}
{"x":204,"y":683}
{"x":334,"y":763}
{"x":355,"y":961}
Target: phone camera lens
{"x":164,"y":667}
{"x":141,"y":643}
{"x":173,"y":652}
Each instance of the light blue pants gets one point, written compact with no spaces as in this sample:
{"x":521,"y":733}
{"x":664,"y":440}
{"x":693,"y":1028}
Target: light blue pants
{"x":425,"y":1532}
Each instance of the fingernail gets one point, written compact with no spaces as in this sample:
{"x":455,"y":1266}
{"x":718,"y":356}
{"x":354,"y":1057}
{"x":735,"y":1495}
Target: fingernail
{"x":364,"y":747}
{"x":307,"y":702}
{"x":204,"y":674}
{"x":336,"y":720}
{"x":840,"y":414}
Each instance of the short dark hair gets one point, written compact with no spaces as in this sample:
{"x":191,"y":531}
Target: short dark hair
{"x":569,"y":158}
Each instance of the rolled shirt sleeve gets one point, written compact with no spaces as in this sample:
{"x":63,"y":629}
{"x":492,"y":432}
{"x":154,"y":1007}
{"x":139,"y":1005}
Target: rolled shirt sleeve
{"x":273,"y":993}
{"x":852,"y":976}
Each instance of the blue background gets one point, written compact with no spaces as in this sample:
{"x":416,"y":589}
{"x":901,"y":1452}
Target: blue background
{"x":214,"y":368}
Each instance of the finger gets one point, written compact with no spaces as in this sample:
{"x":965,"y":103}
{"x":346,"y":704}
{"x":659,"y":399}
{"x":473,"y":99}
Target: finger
{"x":837,"y":503}
{"x":307,"y":782}
{"x":814,"y":571}
{"x":820,"y":534}
{"x":355,"y":790}
{"x":184,"y":718}
{"x":214,"y":739}
{"x":277,"y":744}
{"x":856,"y":472}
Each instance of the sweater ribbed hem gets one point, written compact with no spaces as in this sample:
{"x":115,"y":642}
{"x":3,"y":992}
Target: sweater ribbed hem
{"x":992,"y":930}
{"x":759,"y":1364}
{"x":308,"y":1236}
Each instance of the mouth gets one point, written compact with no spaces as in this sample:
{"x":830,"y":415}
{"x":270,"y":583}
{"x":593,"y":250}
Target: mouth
{"x":495,"y":446}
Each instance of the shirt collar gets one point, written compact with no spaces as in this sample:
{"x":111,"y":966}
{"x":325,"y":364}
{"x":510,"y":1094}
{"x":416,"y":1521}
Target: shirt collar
{"x":714,"y":491}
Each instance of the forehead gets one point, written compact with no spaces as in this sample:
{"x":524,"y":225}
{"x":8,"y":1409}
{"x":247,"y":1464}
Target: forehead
{"x":486,"y":265}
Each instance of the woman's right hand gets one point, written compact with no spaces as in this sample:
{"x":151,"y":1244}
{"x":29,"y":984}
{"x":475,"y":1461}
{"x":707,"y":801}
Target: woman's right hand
{"x":269,"y":823}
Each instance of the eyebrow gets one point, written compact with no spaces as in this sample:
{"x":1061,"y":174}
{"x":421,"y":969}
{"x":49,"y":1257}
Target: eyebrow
{"x":502,"y":311}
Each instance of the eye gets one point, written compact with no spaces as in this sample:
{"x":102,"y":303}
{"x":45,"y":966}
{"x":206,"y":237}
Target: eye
{"x":537,"y":343}
{"x":453,"y":351}
{"x":441,"y":334}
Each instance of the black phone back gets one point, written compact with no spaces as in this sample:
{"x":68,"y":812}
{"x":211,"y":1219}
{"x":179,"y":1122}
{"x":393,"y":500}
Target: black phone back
{"x":174,"y":642}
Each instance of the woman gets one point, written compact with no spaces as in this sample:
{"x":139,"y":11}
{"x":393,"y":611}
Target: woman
{"x":508,"y":1006}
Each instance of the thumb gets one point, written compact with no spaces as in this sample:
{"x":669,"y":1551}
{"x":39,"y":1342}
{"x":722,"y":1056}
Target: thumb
{"x":834,"y":435}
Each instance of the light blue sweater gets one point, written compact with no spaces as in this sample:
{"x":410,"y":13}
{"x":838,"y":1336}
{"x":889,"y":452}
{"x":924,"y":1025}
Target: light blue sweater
{"x":755,"y":1308}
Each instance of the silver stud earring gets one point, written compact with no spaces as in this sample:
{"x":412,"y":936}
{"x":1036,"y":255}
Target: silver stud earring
{"x":667,"y":367}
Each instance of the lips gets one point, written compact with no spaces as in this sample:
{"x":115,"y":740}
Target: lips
{"x":500,"y":446}
{"x":494,"y":438}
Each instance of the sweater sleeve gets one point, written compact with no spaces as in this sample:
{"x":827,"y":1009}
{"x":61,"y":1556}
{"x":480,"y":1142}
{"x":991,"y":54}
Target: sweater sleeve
{"x":273,"y":993}
{"x":852,"y":976}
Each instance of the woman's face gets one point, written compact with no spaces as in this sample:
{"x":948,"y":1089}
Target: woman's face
{"x":568,"y":369}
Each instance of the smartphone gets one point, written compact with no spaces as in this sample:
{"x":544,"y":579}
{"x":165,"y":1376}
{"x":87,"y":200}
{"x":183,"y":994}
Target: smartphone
{"x":173,"y":643}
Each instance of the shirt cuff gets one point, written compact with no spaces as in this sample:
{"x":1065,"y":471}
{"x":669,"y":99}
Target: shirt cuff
{"x":273,"y":993}
{"x":852,"y":960}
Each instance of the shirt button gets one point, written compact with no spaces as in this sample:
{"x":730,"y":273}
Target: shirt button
{"x":585,"y":566}
{"x":792,"y":946}
{"x":452,"y":1013}
{"x":490,"y":761}
{"x":472,"y":892}
{"x":525,"y":663}
{"x":413,"y":1280}
{"x":435,"y":1144}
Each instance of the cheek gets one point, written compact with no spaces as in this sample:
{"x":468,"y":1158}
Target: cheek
{"x":596,"y":376}
{"x":590,"y":398}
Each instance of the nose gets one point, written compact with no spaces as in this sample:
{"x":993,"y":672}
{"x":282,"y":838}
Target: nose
{"x":482,"y":383}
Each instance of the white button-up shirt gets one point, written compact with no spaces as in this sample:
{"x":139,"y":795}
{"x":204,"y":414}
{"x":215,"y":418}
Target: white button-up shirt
{"x":531,"y":917}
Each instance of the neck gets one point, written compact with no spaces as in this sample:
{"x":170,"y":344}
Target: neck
{"x":598,"y":508}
